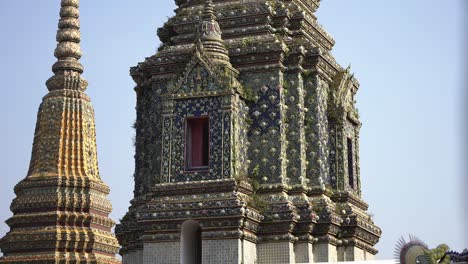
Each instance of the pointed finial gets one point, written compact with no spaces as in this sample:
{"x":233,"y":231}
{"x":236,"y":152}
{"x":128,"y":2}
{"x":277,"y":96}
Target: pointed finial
{"x":208,"y":12}
{"x":68,"y":50}
{"x":68,"y":69}
{"x":209,"y":35}
{"x":209,"y":28}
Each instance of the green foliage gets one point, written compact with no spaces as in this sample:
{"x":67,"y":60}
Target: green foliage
{"x":180,"y":2}
{"x":233,"y":7}
{"x":286,"y":85}
{"x":285,"y":119}
{"x":308,"y":123}
{"x":437,"y":255}
{"x":258,"y":203}
{"x":329,"y":192}
{"x":241,"y":178}
{"x":161,"y":47}
{"x":256,"y":171}
{"x":307,"y":73}
{"x":248,"y":41}
{"x":255,"y":201}
{"x":183,"y":12}
{"x":256,"y":178}
{"x":249,"y":93}
{"x":274,"y":4}
{"x":249,"y":121}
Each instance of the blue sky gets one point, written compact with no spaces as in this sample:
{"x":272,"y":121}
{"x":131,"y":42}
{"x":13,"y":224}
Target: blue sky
{"x":407,"y":56}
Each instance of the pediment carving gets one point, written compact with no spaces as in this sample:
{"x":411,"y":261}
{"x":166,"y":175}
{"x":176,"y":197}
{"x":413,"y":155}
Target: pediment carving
{"x":203,"y":78}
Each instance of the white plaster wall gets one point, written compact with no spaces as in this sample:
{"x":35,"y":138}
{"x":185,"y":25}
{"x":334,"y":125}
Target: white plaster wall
{"x":250,"y":252}
{"x":359,"y":254}
{"x":368,"y":256}
{"x":333,"y":253}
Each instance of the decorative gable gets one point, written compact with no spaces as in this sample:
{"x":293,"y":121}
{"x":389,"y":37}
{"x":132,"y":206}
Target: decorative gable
{"x":202,"y":78}
{"x":199,"y":79}
{"x":341,"y":99}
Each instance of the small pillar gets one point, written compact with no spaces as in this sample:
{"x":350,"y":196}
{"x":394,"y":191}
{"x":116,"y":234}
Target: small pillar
{"x":303,"y":251}
{"x":324,"y":252}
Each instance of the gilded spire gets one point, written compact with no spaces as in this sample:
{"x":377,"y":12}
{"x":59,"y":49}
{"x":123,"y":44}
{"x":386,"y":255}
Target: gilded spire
{"x":69,"y":146}
{"x":68,"y":69}
{"x":60,"y":214}
{"x":68,"y":50}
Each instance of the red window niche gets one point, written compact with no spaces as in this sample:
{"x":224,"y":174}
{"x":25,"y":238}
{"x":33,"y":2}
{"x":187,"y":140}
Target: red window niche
{"x":197,"y":143}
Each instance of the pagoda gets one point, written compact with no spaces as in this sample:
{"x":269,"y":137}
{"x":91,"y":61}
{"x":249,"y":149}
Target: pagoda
{"x":60,"y":213}
{"x":247,"y":142}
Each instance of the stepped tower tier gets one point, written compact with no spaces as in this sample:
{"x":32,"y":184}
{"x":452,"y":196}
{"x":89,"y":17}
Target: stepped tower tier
{"x":247,"y":141}
{"x":60,"y":213}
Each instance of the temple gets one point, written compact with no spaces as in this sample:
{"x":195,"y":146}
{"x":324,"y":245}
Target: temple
{"x":60,"y":213}
{"x":247,"y":142}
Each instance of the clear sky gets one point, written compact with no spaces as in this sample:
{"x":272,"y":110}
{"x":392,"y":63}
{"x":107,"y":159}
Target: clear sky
{"x":405,"y":53}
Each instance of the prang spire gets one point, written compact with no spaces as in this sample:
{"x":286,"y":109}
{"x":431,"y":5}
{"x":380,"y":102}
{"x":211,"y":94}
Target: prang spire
{"x":60,"y":214}
{"x":69,"y":147}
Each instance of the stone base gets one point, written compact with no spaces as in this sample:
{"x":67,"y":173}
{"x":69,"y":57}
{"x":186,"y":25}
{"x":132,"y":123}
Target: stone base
{"x":222,"y":251}
{"x":226,"y":251}
{"x":48,"y":258}
{"x":275,"y":252}
{"x":303,"y":252}
{"x":352,"y":253}
{"x":324,"y":252}
{"x":237,"y":251}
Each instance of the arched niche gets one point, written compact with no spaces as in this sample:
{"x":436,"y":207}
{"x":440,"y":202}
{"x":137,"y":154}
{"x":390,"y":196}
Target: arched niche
{"x":191,"y":243}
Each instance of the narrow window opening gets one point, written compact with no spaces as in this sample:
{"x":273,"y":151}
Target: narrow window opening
{"x":350,"y":163}
{"x":191,"y":243}
{"x":197,"y":146}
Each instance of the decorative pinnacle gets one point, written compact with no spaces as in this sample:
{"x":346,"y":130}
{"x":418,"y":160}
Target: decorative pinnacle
{"x":68,"y":69}
{"x":209,"y":35}
{"x":208,"y":12}
{"x":209,"y":28}
{"x":68,"y":50}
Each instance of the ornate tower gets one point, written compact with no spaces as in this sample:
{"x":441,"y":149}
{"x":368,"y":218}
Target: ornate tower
{"x":60,"y":214}
{"x":247,"y":142}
